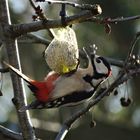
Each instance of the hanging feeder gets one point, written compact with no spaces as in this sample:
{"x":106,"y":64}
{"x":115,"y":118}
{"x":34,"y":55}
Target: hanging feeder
{"x":62,"y":54}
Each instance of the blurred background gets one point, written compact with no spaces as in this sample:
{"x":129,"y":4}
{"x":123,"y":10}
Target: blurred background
{"x":112,"y":120}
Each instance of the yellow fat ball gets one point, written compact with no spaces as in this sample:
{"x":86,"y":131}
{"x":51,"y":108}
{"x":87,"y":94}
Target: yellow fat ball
{"x":62,"y":54}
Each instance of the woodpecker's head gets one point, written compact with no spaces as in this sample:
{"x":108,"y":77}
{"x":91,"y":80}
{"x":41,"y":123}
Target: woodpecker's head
{"x":101,"y":67}
{"x":98,"y":69}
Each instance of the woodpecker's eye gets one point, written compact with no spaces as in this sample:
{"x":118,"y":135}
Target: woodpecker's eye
{"x":98,"y":60}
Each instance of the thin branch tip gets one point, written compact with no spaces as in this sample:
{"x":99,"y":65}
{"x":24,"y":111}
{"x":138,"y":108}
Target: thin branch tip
{"x":10,"y":134}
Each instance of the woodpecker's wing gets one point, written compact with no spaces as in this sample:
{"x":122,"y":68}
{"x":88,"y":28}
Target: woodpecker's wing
{"x":68,"y":91}
{"x":67,"y":85}
{"x":72,"y":99}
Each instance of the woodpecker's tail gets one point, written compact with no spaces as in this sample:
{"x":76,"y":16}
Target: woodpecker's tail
{"x":19,"y":73}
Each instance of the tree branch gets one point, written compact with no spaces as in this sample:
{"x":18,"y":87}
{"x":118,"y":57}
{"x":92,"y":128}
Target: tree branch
{"x":73,"y":4}
{"x":40,"y":14}
{"x":21,"y":29}
{"x":32,"y":4}
{"x":113,"y":20}
{"x":31,"y":38}
{"x":62,"y":133}
{"x":7,"y":133}
{"x":13,"y":56}
{"x":133,"y":44}
{"x":84,"y":16}
{"x":133,"y":69}
{"x":122,"y":77}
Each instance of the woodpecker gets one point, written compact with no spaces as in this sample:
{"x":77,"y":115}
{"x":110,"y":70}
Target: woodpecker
{"x":68,"y":89}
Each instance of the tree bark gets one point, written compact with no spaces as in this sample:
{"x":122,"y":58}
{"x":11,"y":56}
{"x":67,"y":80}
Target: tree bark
{"x":13,"y":55}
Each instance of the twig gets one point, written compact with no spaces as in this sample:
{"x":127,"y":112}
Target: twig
{"x":10,"y":134}
{"x":63,"y":132}
{"x":32,"y":4}
{"x":112,"y":20}
{"x":133,"y":44}
{"x":40,"y":13}
{"x":76,"y":5}
{"x":33,"y":39}
{"x":122,"y":19}
{"x":38,"y":10}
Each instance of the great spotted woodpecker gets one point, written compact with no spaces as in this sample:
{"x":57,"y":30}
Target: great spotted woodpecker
{"x":68,"y":89}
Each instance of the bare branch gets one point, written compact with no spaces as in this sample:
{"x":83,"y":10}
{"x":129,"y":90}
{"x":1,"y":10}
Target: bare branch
{"x":31,"y":38}
{"x":21,"y":29}
{"x":41,"y":15}
{"x":32,"y":4}
{"x":38,"y":10}
{"x":84,"y":16}
{"x":115,"y":62}
{"x":62,"y":133}
{"x":122,"y":19}
{"x":76,"y":5}
{"x":18,"y":86}
{"x":133,"y":44}
{"x":7,"y":133}
{"x":112,"y":20}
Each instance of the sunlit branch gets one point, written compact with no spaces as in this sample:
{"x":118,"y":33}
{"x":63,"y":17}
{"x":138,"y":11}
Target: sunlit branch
{"x":73,"y":4}
{"x":5,"y":132}
{"x":62,"y":133}
{"x":11,"y":48}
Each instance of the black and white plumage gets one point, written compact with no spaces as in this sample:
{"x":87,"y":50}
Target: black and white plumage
{"x":73,"y":89}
